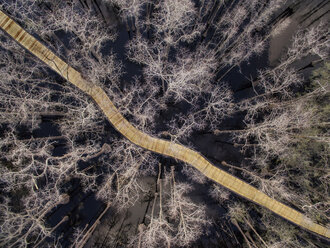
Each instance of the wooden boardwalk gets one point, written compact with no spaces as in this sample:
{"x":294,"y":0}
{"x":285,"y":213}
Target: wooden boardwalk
{"x":151,"y":143}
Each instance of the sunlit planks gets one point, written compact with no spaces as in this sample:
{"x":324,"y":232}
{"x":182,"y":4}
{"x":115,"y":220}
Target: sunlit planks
{"x":153,"y":144}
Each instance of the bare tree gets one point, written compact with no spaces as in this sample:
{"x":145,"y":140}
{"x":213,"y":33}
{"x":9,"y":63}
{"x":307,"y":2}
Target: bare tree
{"x":190,"y":216}
{"x":219,"y":193}
{"x":175,"y":218}
{"x":174,"y":21}
{"x":237,"y":34}
{"x":123,"y":185}
{"x":23,"y":224}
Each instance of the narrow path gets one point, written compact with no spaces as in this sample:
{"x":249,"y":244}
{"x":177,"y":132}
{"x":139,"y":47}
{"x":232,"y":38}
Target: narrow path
{"x":151,"y":143}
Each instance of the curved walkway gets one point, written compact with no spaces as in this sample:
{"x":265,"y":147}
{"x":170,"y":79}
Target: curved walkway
{"x":151,"y":143}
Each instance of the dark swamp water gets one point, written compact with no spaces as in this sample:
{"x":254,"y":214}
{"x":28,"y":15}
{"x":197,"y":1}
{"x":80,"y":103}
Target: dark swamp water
{"x":83,"y":208}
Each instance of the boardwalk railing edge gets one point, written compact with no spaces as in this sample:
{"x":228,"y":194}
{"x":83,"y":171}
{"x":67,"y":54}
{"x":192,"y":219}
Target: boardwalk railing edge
{"x":151,"y":143}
